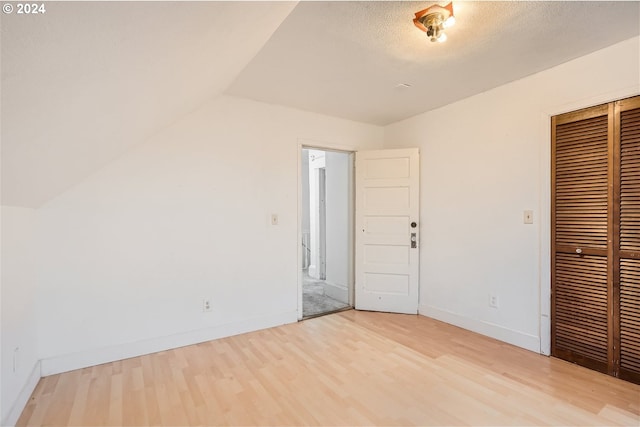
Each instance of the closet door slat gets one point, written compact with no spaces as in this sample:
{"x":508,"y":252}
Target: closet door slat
{"x":630,"y":180}
{"x":628,"y":318}
{"x":581,"y":209}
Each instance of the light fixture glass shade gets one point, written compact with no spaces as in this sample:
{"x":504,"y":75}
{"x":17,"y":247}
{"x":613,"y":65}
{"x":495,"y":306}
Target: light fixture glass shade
{"x":442,"y":38}
{"x":449,"y":22}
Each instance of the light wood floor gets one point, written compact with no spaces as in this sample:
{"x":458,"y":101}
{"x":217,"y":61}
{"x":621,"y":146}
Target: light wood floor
{"x":349,"y":368}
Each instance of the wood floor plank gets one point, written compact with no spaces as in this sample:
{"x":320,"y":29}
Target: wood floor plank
{"x":349,"y":368}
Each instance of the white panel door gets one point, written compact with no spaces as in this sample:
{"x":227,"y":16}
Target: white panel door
{"x":387,"y":237}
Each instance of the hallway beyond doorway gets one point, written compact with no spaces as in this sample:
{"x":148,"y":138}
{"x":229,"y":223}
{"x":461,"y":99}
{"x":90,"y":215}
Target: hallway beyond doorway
{"x":326,"y":227}
{"x":314,"y":300}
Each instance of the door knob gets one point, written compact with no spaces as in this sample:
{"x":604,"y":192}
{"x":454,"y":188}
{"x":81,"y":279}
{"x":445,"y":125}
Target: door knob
{"x":414,"y":225}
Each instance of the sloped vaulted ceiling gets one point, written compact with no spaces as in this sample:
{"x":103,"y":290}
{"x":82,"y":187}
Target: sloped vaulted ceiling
{"x":86,"y":81}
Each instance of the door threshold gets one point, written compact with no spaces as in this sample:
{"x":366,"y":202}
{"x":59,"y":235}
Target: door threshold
{"x":325,"y":313}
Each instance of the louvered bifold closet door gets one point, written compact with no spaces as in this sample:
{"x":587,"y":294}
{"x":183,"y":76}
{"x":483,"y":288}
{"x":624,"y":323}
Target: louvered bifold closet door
{"x":581,"y":324}
{"x":628,"y":130}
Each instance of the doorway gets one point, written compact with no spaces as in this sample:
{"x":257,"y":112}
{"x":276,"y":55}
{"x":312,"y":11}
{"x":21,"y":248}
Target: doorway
{"x":326,"y":226}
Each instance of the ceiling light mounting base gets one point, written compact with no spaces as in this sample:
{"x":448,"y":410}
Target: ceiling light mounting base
{"x":433,"y":21}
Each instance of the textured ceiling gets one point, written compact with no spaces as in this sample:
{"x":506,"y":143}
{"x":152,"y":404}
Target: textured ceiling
{"x":85,"y":82}
{"x":346,"y":58}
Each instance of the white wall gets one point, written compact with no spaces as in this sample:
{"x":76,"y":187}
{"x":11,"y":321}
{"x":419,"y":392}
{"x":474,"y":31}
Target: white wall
{"x":18,"y":319}
{"x":129,"y":253}
{"x":338,"y":253}
{"x":484,"y":160}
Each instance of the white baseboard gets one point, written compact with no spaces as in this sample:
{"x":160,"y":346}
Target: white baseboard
{"x":70,"y":362}
{"x":23,"y":398}
{"x":517,"y":338}
{"x":337,"y":292}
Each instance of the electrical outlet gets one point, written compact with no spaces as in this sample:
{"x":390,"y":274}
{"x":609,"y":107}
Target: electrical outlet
{"x":206,"y":305}
{"x":493,"y":301}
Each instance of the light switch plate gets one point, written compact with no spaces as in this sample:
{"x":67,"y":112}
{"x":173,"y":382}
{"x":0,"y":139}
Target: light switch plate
{"x":528,"y":217}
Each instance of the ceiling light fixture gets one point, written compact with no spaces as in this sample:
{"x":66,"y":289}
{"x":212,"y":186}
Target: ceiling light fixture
{"x":434,"y":19}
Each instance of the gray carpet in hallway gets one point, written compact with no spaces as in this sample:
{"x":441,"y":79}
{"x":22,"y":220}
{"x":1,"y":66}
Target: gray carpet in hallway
{"x":314,"y":301}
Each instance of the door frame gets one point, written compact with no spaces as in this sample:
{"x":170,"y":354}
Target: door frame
{"x":310,"y":144}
